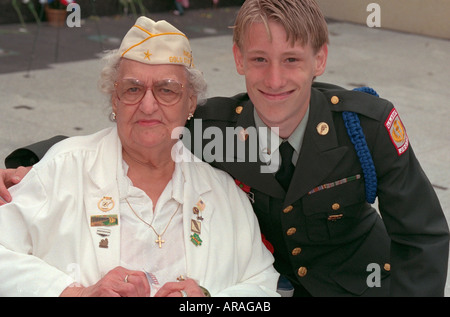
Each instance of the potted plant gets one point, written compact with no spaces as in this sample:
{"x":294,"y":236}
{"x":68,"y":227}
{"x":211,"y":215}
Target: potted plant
{"x":55,"y":11}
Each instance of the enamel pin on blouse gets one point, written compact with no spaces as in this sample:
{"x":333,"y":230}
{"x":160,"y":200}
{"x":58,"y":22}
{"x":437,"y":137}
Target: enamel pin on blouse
{"x":106,"y":204}
{"x":196,"y":224}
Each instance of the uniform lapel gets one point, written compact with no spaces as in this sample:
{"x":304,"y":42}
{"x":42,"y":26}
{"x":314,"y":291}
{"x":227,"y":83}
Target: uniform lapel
{"x":320,"y":153}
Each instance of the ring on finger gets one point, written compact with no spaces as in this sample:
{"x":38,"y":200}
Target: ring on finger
{"x":183,"y":293}
{"x":126,"y":279}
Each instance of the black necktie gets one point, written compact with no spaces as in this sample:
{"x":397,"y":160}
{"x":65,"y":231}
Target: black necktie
{"x":286,"y":170}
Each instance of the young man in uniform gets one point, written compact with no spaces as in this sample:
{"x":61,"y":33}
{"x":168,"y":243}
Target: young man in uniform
{"x":339,"y":149}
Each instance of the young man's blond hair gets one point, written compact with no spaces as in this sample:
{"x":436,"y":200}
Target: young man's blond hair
{"x":302,"y":20}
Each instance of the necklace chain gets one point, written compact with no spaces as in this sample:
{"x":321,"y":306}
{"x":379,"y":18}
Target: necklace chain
{"x":160,"y":241}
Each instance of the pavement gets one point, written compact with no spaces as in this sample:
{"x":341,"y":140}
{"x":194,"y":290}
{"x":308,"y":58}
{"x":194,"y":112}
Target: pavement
{"x":48,"y":78}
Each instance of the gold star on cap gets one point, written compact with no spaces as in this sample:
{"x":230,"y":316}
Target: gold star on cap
{"x":147,"y":55}
{"x":167,"y":44}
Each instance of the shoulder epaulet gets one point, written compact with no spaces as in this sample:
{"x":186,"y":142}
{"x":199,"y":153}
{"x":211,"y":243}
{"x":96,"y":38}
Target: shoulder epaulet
{"x":222,"y":108}
{"x":363,"y":100}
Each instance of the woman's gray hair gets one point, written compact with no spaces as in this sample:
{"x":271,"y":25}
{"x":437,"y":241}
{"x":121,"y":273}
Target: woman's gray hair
{"x":109,"y":72}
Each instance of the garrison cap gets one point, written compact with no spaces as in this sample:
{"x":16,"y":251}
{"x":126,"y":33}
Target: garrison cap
{"x":156,"y":43}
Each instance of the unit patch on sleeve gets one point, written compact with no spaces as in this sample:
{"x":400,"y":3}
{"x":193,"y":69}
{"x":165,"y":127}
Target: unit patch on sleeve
{"x":397,"y":132}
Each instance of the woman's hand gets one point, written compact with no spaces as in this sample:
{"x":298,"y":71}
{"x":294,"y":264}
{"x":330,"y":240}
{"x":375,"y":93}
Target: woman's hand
{"x":8,"y":178}
{"x":119,"y":282}
{"x":186,"y":288}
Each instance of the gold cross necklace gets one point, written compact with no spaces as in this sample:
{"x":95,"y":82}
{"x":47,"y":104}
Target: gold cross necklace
{"x":160,"y":241}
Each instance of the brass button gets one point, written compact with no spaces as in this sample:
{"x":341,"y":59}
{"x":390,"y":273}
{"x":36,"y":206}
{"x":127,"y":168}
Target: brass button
{"x":239,"y":109}
{"x":323,"y":128}
{"x":296,"y":251}
{"x":335,"y":100}
{"x":291,"y":231}
{"x":387,"y":267}
{"x":288,"y":209}
{"x":335,"y":206}
{"x":302,"y":271}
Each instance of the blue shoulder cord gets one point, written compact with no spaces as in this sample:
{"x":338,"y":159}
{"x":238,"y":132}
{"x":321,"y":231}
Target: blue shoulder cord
{"x":358,"y":139}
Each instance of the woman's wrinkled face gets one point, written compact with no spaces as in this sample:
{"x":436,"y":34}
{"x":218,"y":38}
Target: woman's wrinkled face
{"x":149,"y":122}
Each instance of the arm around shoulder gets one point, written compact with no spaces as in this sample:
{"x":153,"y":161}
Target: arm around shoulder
{"x":31,"y":154}
{"x":22,"y":272}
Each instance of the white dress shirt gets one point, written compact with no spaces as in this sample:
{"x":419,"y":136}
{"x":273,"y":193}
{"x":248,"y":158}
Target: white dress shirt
{"x":269,"y":141}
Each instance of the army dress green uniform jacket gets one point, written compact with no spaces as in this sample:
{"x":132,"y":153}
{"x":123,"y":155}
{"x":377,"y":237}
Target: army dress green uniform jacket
{"x":326,"y":237}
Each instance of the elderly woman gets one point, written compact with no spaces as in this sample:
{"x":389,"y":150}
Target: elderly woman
{"x":126,"y":211}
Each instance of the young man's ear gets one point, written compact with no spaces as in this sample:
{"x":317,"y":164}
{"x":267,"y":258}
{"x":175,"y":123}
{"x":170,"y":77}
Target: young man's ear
{"x":238,"y":59}
{"x":321,"y":60}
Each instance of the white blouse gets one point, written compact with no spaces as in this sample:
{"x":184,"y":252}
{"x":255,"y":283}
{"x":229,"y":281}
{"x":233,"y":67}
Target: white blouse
{"x":139,"y":249}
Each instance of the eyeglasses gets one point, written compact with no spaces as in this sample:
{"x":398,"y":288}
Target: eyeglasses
{"x":131,"y":91}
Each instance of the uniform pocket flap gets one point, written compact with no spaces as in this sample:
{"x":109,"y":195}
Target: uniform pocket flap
{"x":333,"y":197}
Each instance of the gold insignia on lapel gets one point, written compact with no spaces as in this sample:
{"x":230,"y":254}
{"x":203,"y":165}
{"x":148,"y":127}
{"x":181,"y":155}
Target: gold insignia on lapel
{"x":106,"y":204}
{"x":323,"y":128}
